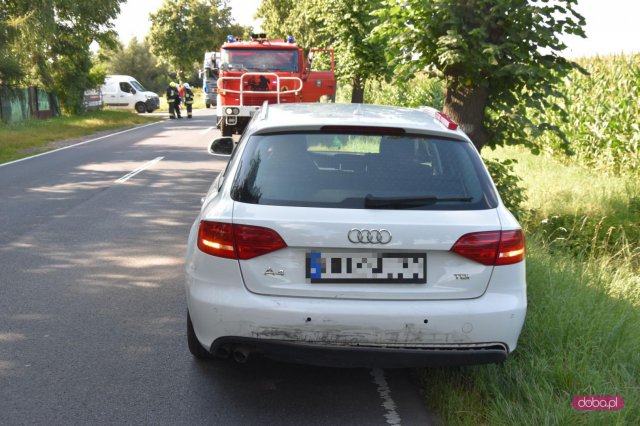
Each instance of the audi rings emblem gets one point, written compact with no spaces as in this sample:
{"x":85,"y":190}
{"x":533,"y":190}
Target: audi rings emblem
{"x":369,"y":236}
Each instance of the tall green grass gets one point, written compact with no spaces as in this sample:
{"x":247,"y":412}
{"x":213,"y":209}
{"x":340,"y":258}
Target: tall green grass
{"x":581,"y":333}
{"x":580,"y":338}
{"x":575,"y":210}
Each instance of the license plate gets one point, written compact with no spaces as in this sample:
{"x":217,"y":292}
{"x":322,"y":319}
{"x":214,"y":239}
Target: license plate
{"x":366,"y":268}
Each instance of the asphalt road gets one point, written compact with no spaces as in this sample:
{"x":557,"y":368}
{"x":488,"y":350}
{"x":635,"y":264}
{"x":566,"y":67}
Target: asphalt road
{"x":92,"y":305}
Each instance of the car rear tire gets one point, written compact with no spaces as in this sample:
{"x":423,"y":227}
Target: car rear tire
{"x":196,"y":349}
{"x":141,"y":108}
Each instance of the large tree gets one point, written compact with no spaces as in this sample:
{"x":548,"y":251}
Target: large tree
{"x":11,"y":70}
{"x":346,"y":27}
{"x":52,"y":44}
{"x":343,"y":25}
{"x":275,"y":16}
{"x":500,"y":59}
{"x":182,"y":30}
{"x":282,"y":18}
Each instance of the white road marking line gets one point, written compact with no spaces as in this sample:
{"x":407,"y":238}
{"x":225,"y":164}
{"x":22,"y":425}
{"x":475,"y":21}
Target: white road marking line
{"x":138,"y":170}
{"x":206,"y":130}
{"x":392,"y":417}
{"x":78,"y":144}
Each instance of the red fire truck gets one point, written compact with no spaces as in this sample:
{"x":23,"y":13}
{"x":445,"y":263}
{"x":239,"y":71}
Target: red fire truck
{"x":252,"y":72}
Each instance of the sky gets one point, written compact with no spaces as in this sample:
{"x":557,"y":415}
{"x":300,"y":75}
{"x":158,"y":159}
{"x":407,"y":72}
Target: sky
{"x":612,"y":25}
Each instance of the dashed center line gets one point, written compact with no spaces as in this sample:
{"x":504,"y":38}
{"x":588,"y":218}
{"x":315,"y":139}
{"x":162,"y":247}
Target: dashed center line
{"x":138,"y":170}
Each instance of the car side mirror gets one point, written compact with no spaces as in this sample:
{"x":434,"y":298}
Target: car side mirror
{"x":221,"y":146}
{"x":133,"y":91}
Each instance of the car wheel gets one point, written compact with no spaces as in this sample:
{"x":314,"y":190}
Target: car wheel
{"x":141,"y":108}
{"x":196,"y":349}
{"x":149,"y":110}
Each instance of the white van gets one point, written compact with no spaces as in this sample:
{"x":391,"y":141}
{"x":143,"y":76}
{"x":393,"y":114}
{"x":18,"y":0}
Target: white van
{"x":124,"y":91}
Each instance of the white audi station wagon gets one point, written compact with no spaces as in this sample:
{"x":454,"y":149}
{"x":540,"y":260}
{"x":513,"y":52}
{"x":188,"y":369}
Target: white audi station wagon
{"x":354,"y":235}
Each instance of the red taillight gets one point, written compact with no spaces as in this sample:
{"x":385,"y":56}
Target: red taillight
{"x":237,"y":241}
{"x":253,"y":241}
{"x":492,"y":248}
{"x":216,"y":239}
{"x":481,"y":246}
{"x":511,"y":248}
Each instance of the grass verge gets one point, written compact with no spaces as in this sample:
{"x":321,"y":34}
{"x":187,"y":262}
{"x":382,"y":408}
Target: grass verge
{"x":580,"y":338}
{"x":581,"y":332}
{"x":576,"y":210}
{"x":31,"y":137}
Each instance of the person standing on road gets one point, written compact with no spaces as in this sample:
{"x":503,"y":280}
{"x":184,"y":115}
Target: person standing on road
{"x":181,"y":92}
{"x":178,"y":100}
{"x":188,"y":99}
{"x":172,"y":94}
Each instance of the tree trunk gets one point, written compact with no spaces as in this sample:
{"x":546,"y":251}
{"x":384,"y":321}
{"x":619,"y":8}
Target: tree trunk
{"x":357,"y":94}
{"x":465,"y":106}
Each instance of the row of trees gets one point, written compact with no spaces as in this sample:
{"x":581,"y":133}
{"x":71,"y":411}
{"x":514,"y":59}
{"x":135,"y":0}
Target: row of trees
{"x":499,"y":59}
{"x":47,"y":43}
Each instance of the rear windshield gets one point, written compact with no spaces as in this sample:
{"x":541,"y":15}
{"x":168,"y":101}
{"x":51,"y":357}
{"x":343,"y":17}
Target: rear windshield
{"x":336,"y":170}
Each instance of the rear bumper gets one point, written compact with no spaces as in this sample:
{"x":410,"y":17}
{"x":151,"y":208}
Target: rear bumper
{"x":243,"y":111}
{"x":426,"y":332}
{"x":360,"y":356}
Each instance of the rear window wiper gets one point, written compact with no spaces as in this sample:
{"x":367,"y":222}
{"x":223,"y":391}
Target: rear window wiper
{"x":371,"y":202}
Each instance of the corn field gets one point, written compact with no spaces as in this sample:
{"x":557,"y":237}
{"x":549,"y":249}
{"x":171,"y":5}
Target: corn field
{"x":603,"y":114}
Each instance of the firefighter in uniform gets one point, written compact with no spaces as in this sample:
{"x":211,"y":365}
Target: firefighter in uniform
{"x":188,"y":99}
{"x":177,"y":102}
{"x":172,"y":94}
